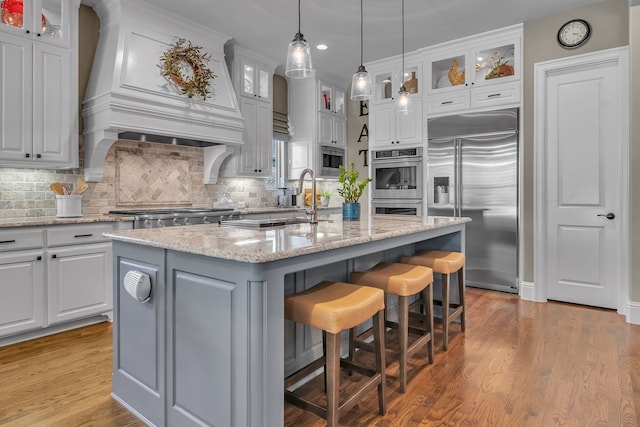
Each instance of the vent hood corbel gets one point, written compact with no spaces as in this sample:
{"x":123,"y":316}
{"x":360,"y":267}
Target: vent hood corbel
{"x":128,"y":98}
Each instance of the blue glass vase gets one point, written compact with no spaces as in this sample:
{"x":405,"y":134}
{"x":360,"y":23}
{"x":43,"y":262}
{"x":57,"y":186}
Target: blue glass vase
{"x":351,"y":211}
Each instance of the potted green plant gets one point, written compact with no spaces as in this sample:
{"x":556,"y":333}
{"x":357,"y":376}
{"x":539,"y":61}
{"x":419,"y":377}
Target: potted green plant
{"x":351,"y":191}
{"x":325,"y":195}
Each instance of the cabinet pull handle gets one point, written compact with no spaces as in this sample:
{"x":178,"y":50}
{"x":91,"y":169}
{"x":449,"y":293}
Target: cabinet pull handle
{"x":446,"y":102}
{"x":493,"y":95}
{"x":39,"y":258}
{"x":54,"y":256}
{"x":6,"y":241}
{"x":84,"y":235}
{"x":27,"y":155}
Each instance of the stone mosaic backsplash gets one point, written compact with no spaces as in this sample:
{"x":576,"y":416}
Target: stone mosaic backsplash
{"x":26,"y":192}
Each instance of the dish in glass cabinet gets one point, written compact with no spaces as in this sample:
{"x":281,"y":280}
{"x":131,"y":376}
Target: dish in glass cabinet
{"x":443,"y":82}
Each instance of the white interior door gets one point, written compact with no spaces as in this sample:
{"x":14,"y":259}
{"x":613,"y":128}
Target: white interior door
{"x":581,"y":181}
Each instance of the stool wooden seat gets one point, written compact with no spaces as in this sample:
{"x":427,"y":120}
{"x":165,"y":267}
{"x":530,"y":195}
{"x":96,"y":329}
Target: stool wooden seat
{"x":445,"y":263}
{"x":403,"y":280}
{"x":334,"y":307}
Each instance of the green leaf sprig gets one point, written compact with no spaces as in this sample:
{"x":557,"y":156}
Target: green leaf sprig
{"x":351,"y":189}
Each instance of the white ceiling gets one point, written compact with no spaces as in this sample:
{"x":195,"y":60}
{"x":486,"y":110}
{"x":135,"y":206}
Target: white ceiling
{"x":267,"y":26}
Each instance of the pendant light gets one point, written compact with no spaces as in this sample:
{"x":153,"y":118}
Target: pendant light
{"x":361,"y":82}
{"x":403,"y":106}
{"x":298,"y":55}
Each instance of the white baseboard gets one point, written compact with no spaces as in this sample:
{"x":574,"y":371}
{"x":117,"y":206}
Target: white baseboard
{"x":633,"y":312}
{"x":527,"y":291}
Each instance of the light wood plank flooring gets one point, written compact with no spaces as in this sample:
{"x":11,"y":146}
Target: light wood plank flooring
{"x":518,"y":364}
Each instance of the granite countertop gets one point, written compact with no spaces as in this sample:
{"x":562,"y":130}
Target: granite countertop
{"x":271,"y":244}
{"x":53,"y":220}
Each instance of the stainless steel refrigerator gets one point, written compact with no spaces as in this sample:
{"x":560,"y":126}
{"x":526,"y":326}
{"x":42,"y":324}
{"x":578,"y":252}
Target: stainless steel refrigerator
{"x":472,"y":169}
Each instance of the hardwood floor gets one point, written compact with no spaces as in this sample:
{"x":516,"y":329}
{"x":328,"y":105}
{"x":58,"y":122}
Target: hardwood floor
{"x":518,"y":364}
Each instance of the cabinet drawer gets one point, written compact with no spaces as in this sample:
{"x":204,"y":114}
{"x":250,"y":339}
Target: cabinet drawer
{"x":62,"y":235}
{"x":12,"y":239}
{"x":452,"y":101}
{"x":507,"y":93}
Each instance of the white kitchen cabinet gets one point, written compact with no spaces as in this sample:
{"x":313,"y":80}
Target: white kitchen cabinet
{"x":317,"y":113}
{"x":255,"y":155}
{"x":22,"y":280}
{"x":79,"y":272}
{"x":386,"y":128}
{"x":387,"y":77}
{"x":332,"y":129}
{"x":330,"y":98}
{"x":474,"y":72}
{"x":255,"y":80}
{"x":38,"y":71}
{"x":52,"y":275}
{"x":389,"y":129}
{"x":47,"y":21}
{"x":252,"y":77}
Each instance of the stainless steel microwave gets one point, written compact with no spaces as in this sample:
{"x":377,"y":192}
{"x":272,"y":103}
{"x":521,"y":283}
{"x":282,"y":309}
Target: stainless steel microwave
{"x":331,"y":158}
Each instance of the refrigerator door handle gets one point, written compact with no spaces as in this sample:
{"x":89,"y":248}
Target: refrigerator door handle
{"x":458,"y":178}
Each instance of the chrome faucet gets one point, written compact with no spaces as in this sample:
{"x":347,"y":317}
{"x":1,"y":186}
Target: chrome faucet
{"x":313,"y":212}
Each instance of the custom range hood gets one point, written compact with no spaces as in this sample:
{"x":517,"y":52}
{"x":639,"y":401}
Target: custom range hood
{"x":128,"y":97}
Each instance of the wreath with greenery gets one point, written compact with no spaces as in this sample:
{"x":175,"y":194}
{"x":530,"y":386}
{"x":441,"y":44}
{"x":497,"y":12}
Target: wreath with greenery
{"x":183,"y":54}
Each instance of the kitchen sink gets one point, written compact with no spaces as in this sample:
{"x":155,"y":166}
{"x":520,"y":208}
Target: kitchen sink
{"x":265,"y":223}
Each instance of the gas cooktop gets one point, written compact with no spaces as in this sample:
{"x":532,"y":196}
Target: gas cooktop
{"x":169,"y":211}
{"x":166,"y":217}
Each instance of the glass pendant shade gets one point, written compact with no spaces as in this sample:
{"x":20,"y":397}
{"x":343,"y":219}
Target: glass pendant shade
{"x":361,"y":88}
{"x":403,"y":106}
{"x":299,"y":58}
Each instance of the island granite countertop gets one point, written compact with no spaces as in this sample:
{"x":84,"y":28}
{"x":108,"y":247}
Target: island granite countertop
{"x":275,"y":243}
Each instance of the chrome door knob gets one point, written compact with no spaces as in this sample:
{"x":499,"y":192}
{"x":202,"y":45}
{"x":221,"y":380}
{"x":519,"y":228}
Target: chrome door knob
{"x":610,"y":215}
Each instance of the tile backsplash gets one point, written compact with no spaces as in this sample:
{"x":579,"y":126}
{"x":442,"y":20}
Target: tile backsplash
{"x":136,"y":174}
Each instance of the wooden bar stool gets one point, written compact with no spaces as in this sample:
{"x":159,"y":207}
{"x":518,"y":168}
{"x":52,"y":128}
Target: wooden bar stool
{"x":445,"y":263}
{"x":403,"y":280}
{"x":335,"y":307}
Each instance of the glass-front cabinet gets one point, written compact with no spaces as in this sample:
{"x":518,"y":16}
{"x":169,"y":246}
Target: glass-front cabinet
{"x":330,"y":98}
{"x":387,"y":78}
{"x":492,"y":61}
{"x":256,"y":80}
{"x":44,"y":20}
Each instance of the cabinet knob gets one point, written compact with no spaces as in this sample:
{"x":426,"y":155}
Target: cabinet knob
{"x":39,"y":258}
{"x":27,"y":155}
{"x":54,"y":256}
{"x":28,"y":32}
{"x":38,"y":34}
{"x":38,"y":156}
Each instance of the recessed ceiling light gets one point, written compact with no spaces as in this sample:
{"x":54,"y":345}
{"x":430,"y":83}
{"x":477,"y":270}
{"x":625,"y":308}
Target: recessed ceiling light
{"x":322,"y":47}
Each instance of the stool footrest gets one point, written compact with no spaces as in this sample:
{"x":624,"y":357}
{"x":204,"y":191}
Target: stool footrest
{"x":304,"y":371}
{"x":457,"y":312}
{"x":372,"y":382}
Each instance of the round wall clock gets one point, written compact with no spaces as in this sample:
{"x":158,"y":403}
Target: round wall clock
{"x":574,"y":33}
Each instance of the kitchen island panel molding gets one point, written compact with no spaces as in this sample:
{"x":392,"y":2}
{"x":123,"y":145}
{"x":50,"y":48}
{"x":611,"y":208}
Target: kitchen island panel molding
{"x":138,"y":380}
{"x":247,"y":337}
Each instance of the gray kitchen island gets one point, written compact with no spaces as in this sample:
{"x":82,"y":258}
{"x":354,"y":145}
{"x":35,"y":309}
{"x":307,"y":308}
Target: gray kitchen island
{"x":210,"y":347}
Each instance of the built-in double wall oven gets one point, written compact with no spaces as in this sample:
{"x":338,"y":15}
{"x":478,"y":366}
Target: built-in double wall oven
{"x":397,"y":186}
